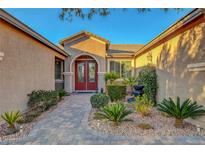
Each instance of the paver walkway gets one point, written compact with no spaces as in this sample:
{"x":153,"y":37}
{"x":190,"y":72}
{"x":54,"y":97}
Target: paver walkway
{"x":68,"y":125}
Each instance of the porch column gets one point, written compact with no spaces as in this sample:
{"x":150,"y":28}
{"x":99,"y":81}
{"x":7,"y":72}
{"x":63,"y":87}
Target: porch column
{"x":68,"y":82}
{"x":101,"y":81}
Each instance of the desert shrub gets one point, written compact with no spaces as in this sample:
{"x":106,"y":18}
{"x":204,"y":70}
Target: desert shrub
{"x":181,"y":110}
{"x":50,"y":99}
{"x":111,"y":77}
{"x":116,"y":92}
{"x":98,"y":100}
{"x":35,"y":97}
{"x":62,"y":93}
{"x":148,"y":78}
{"x":29,"y":117}
{"x":114,"y":112}
{"x":44,"y":99}
{"x":11,"y":118}
{"x":145,"y":126}
{"x":143,"y":105}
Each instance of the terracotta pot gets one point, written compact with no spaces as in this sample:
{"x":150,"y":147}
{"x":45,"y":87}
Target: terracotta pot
{"x":178,"y":123}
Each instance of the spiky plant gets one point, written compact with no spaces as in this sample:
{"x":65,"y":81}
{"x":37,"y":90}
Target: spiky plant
{"x":181,"y":110}
{"x":11,"y":118}
{"x":114,"y":112}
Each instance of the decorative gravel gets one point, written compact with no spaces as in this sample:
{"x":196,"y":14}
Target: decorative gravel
{"x":25,"y":128}
{"x":162,"y":126}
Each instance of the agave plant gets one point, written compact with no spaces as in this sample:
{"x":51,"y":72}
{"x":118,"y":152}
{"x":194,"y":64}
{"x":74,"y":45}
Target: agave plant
{"x":181,"y":111}
{"x":11,"y":118}
{"x":114,"y":112}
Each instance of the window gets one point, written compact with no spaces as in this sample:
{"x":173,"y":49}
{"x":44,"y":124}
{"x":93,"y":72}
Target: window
{"x":122,"y":67}
{"x":92,"y":69}
{"x":58,"y":69}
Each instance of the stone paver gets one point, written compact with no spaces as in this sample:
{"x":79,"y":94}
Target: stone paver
{"x":68,"y":125}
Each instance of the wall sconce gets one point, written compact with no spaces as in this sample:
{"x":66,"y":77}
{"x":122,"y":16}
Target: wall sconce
{"x":1,"y":56}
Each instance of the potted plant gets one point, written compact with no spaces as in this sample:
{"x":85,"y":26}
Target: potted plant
{"x":181,"y":111}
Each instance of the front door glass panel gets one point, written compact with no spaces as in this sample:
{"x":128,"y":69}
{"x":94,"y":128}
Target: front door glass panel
{"x":91,"y":73}
{"x":81,"y":69}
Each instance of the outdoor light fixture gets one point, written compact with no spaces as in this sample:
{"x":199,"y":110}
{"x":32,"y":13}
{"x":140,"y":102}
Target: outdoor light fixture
{"x":1,"y":56}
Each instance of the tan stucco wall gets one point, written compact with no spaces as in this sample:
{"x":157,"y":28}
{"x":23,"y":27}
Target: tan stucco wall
{"x":27,"y":65}
{"x":171,"y":59}
{"x":84,"y":46}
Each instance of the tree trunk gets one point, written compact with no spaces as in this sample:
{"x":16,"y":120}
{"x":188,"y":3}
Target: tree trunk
{"x":178,"y":123}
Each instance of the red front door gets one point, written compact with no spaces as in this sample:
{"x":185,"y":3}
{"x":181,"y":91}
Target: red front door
{"x":85,"y":75}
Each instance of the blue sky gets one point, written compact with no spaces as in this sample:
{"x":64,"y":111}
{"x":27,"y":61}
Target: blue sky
{"x":120,"y":27}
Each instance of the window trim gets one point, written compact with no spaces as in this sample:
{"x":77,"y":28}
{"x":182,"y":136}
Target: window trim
{"x":62,"y":68}
{"x":117,"y":60}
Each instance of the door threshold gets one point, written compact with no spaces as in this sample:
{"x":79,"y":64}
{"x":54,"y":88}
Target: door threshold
{"x":86,"y":91}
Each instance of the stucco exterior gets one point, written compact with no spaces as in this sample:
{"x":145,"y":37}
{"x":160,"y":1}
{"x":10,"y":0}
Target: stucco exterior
{"x":26,"y":65}
{"x":172,"y":58}
{"x":84,"y":46}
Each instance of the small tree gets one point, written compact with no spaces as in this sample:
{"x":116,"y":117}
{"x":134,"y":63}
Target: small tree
{"x":130,"y":81}
{"x":148,"y":78}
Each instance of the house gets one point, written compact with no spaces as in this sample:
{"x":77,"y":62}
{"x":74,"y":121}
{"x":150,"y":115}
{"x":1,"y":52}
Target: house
{"x":81,"y":60}
{"x":91,"y":57}
{"x":27,"y":62}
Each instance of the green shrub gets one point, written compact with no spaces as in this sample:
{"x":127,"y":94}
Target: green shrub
{"x":29,"y":117}
{"x":116,"y":92}
{"x":11,"y":118}
{"x":111,"y":77}
{"x":148,"y":78}
{"x":44,"y":99}
{"x":114,"y":112}
{"x":35,"y":97}
{"x":143,"y":105}
{"x":99,"y":100}
{"x":62,"y":93}
{"x":181,"y":111}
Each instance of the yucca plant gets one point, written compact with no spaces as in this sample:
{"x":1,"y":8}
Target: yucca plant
{"x":11,"y":118}
{"x":114,"y":112}
{"x":181,"y":111}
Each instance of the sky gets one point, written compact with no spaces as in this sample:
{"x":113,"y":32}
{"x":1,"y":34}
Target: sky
{"x":128,"y":27}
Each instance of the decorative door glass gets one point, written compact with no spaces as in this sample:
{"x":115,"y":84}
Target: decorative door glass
{"x":81,"y":72}
{"x":91,"y":74}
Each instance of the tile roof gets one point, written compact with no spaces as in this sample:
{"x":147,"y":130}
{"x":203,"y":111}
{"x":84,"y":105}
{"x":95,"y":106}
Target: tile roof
{"x":127,"y":49}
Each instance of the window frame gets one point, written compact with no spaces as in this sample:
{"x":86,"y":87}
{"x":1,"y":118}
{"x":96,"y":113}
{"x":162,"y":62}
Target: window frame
{"x":120,"y":61}
{"x":62,"y":68}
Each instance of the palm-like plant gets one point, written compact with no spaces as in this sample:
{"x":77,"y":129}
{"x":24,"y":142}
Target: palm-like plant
{"x":114,"y":112}
{"x":130,"y":81}
{"x":11,"y":118}
{"x":181,"y":111}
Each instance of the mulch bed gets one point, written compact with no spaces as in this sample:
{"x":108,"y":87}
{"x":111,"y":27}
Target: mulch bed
{"x":26,"y":127}
{"x":161,"y":126}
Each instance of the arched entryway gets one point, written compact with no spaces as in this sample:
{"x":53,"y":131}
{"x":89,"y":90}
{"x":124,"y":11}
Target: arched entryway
{"x":86,"y":78}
